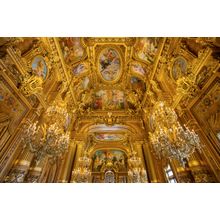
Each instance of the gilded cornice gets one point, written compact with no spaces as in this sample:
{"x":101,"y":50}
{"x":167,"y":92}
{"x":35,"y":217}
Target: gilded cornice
{"x":53,"y":42}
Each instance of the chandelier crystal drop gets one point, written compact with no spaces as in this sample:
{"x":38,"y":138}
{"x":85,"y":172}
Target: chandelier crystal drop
{"x":48,"y":139}
{"x":170,"y":139}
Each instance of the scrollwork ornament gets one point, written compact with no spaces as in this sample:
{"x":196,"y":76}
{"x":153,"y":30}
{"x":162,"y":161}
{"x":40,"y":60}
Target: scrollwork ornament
{"x":31,"y":85}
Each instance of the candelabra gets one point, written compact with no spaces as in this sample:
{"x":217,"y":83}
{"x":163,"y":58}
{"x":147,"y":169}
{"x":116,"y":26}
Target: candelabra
{"x":82,"y":174}
{"x":170,"y":139}
{"x":136,"y":173}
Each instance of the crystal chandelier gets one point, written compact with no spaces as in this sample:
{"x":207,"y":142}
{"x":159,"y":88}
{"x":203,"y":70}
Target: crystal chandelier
{"x":46,"y":141}
{"x":169,"y":139}
{"x":82,"y":174}
{"x":49,"y":139}
{"x":136,"y":173}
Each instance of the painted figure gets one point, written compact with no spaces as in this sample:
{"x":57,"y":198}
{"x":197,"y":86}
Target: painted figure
{"x":81,"y":68}
{"x":179,"y":68}
{"x":138,"y":68}
{"x":109,"y":99}
{"x":109,"y":64}
{"x":146,"y":48}
{"x":39,"y":67}
{"x":72,"y":49}
{"x":106,"y":158}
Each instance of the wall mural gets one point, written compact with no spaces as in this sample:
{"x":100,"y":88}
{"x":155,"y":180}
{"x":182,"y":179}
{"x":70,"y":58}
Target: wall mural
{"x":146,"y":48}
{"x":109,"y":99}
{"x":108,"y":137}
{"x":39,"y":67}
{"x":72,"y":49}
{"x":179,"y":68}
{"x":109,"y":64}
{"x":109,"y":159}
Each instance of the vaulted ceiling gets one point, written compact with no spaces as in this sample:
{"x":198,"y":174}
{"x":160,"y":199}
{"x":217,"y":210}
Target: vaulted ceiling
{"x":110,"y":87}
{"x":108,"y":68}
{"x":110,"y":81}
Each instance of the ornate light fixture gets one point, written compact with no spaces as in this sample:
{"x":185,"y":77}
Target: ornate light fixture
{"x":136,"y":173}
{"x":46,"y":141}
{"x":49,"y":139}
{"x":82,"y":174}
{"x":169,"y":139}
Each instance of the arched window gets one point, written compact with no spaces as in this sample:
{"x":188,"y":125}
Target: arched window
{"x":109,"y":177}
{"x":169,"y":174}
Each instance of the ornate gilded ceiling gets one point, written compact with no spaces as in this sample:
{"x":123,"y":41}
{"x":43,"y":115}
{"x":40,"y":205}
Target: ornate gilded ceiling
{"x":105,"y":70}
{"x":110,"y":80}
{"x":110,"y":86}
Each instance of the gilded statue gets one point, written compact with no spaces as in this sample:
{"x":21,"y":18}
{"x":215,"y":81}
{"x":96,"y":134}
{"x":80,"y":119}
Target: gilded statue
{"x":187,"y":85}
{"x":32,"y":85}
{"x":132,"y":98}
{"x":86,"y":100}
{"x":155,"y":87}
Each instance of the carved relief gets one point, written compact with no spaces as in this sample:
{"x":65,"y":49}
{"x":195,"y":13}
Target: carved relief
{"x":31,"y":85}
{"x":111,"y":83}
{"x":11,"y":104}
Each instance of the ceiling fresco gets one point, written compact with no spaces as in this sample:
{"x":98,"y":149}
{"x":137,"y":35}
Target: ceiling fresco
{"x":109,"y":64}
{"x":108,"y":89}
{"x":108,"y":137}
{"x":146,"y":48}
{"x":72,"y":49}
{"x":104,"y":69}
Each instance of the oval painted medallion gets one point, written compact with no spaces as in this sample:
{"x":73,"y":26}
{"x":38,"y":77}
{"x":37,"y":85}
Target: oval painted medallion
{"x":39,"y":67}
{"x":109,"y":64}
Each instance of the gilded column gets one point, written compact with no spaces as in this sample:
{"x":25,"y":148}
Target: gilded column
{"x":67,"y":164}
{"x":203,"y":166}
{"x":199,"y":170}
{"x":34,"y":173}
{"x":150,"y":164}
{"x":138,"y":147}
{"x":14,"y":145}
{"x":20,"y":168}
{"x":79,"y":149}
{"x":182,"y":174}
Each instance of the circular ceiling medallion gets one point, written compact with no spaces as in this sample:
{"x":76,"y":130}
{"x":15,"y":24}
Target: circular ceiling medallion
{"x":109,"y":64}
